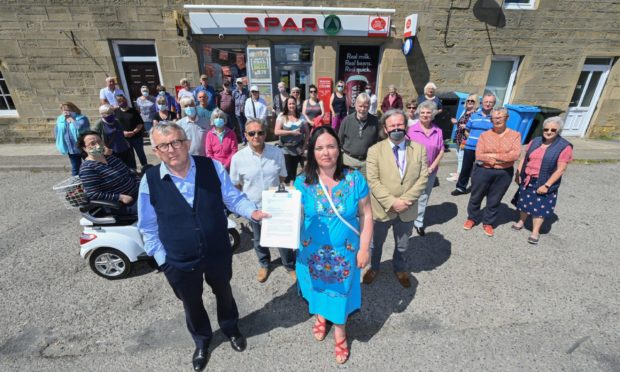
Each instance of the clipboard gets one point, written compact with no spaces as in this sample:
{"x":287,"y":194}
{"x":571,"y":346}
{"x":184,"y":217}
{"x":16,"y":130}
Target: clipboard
{"x":282,"y":229}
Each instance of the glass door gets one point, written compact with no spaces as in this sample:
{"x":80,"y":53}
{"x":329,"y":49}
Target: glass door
{"x":585,"y":96}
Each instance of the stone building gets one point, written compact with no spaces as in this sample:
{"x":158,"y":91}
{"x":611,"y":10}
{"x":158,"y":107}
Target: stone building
{"x":557,"y":53}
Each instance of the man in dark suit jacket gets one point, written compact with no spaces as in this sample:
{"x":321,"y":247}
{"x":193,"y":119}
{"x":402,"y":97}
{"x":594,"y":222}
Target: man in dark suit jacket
{"x":181,"y":216}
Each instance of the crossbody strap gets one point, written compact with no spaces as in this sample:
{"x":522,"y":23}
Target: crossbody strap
{"x":331,"y":203}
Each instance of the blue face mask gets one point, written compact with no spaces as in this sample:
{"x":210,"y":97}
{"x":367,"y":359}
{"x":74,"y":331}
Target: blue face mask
{"x":190,"y":111}
{"x":73,"y":114}
{"x":218,"y":122}
{"x":162,"y":107}
{"x":145,"y":94}
{"x":162,"y":93}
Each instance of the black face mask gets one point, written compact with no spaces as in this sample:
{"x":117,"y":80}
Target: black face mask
{"x":397,"y":134}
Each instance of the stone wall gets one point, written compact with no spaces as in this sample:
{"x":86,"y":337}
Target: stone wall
{"x":44,"y":67}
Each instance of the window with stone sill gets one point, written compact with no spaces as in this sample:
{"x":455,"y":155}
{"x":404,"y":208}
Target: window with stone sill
{"x":521,"y":4}
{"x":7,"y":107}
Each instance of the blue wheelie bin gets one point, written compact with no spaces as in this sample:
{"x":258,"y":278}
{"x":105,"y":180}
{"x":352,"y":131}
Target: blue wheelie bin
{"x":520,"y":118}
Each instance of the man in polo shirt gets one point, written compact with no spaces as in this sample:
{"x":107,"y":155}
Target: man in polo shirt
{"x":256,"y":168}
{"x":109,"y":93}
{"x":479,"y":122}
{"x":181,"y":217}
{"x":357,"y":133}
{"x":205,"y":87}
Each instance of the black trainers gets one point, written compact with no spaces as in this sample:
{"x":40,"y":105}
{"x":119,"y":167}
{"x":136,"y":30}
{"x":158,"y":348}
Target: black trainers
{"x":458,"y":192}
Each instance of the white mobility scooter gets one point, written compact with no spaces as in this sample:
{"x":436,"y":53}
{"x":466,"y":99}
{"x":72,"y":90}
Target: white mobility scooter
{"x":111,"y":242}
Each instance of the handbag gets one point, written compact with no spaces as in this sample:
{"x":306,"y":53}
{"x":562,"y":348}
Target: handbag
{"x":331,"y":203}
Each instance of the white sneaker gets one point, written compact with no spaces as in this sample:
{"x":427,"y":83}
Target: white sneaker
{"x":452,"y":178}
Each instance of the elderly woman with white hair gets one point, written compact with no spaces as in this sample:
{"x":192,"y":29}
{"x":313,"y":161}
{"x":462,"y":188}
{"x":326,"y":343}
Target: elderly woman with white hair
{"x":112,"y":133}
{"x":429,"y":95}
{"x":392,"y":100}
{"x":220,"y":140}
{"x":163,"y":114}
{"x":539,"y":175}
{"x":425,"y":132}
{"x":195,"y":126}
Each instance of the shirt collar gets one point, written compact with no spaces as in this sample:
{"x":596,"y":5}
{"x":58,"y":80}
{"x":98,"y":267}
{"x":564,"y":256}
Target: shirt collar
{"x":401,"y":146}
{"x":163,"y":169}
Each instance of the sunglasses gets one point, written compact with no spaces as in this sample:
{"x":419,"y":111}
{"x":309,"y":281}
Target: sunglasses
{"x":411,"y":107}
{"x":260,"y":133}
{"x":239,"y":82}
{"x":340,"y":86}
{"x":470,"y":101}
{"x":313,"y":91}
{"x":552,"y":130}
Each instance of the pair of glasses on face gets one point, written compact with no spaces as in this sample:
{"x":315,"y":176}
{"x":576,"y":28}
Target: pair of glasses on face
{"x":259,"y":133}
{"x":340,"y":86}
{"x":552,"y":130}
{"x":312,"y":91}
{"x":411,"y":108}
{"x":163,"y":147}
{"x":470,"y":101}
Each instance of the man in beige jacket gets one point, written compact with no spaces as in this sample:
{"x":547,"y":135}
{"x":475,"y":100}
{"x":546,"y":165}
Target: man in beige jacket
{"x":397,"y":175}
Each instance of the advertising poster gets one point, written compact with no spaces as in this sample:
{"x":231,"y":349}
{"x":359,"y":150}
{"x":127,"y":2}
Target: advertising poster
{"x":221,"y":64}
{"x":357,"y":67}
{"x":259,"y":63}
{"x":325,"y":94}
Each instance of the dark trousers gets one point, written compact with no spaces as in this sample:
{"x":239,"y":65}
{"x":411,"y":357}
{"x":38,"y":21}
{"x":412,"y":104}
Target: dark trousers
{"x":126,"y":157}
{"x":402,"y":231}
{"x":137,"y":144}
{"x":469,"y":158}
{"x":241,"y":119}
{"x":291,"y":162}
{"x":76,"y":161}
{"x":492,"y":183}
{"x":264,"y":257}
{"x":187,"y":286}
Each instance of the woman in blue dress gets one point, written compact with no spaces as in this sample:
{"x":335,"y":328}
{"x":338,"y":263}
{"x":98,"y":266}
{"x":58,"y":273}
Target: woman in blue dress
{"x":332,"y":250}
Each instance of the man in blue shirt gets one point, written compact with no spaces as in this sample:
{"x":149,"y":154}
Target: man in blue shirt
{"x":205,"y":87}
{"x":479,"y":122}
{"x":181,"y":216}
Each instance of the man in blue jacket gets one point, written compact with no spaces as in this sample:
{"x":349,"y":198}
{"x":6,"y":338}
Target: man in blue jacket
{"x":479,"y":122}
{"x":181,"y":216}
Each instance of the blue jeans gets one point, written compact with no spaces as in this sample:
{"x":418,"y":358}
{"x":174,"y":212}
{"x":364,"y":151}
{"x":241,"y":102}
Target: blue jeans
{"x":76,"y":161}
{"x":423,"y":199}
{"x":147,"y":126}
{"x":264,"y":257}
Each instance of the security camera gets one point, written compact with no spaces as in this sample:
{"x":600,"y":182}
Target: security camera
{"x":220,"y":36}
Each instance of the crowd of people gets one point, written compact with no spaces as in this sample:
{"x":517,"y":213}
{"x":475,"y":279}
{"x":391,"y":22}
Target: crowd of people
{"x":359,"y":175}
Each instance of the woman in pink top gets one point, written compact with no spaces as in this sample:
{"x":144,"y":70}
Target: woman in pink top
{"x":426,"y":133}
{"x":539,"y":176}
{"x":220,"y":141}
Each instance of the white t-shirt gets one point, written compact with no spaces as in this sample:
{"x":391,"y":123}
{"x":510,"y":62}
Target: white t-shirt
{"x":260,"y":106}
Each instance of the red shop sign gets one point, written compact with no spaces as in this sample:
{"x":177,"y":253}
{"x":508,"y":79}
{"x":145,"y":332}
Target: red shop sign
{"x":253,"y":24}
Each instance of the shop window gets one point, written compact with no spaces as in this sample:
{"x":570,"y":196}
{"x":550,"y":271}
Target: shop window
{"x":7,"y":107}
{"x":521,"y":4}
{"x":292,"y":54}
{"x":223,"y":62}
{"x":501,"y":78}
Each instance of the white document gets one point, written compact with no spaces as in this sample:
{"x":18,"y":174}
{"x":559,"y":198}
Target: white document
{"x":282,"y":229}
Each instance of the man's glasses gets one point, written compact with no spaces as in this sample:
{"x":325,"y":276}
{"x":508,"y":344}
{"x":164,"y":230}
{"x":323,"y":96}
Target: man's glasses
{"x":552,"y":130}
{"x":253,"y":133}
{"x":163,"y":147}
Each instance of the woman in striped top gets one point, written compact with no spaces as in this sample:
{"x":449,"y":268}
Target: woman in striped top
{"x":105,"y":177}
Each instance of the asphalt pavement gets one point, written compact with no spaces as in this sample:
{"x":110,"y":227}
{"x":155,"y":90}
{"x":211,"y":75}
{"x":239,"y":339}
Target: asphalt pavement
{"x":477,"y":303}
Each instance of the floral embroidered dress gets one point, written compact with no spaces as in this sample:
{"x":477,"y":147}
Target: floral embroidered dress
{"x":326,"y":262}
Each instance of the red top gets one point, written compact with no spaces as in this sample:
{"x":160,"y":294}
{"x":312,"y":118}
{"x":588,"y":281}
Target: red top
{"x":532,"y":169}
{"x":223,"y":150}
{"x":498,"y":151}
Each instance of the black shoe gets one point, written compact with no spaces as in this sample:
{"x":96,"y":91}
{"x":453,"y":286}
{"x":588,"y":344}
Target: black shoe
{"x":458,"y":192}
{"x":200,"y":358}
{"x":238,"y":342}
{"x":420,"y":231}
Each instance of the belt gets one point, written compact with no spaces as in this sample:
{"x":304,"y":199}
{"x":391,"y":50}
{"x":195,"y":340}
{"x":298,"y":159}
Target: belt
{"x":360,"y":158}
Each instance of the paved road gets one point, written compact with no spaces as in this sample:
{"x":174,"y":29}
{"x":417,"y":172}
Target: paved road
{"x":479,"y":303}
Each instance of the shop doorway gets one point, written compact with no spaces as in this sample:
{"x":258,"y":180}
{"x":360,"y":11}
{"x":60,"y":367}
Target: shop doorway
{"x":293,"y":76}
{"x":585,"y":97}
{"x":138,"y":74}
